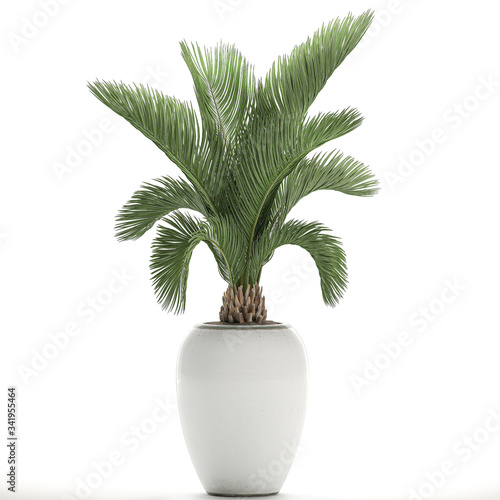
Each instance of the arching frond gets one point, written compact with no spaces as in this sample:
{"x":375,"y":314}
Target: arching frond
{"x":316,"y":239}
{"x":228,"y":245}
{"x":294,"y":81}
{"x":154,"y":201}
{"x":270,"y":154}
{"x":171,"y":124}
{"x":325,"y":171}
{"x":172,"y":249}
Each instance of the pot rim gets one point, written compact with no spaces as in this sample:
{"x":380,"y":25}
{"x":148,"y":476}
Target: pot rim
{"x":239,"y":326}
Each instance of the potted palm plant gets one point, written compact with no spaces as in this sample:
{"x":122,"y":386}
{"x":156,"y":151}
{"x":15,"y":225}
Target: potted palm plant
{"x":245,"y":156}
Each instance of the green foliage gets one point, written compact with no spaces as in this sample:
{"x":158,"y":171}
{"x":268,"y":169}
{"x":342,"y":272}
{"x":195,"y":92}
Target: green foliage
{"x":324,"y":248}
{"x":244,"y":156}
{"x":153,"y":202}
{"x":174,"y":245}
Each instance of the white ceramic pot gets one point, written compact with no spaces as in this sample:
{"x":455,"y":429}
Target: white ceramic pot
{"x":242,"y":393}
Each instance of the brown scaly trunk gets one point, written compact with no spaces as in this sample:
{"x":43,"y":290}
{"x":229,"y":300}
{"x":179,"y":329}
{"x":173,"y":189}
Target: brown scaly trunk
{"x":247,"y":307}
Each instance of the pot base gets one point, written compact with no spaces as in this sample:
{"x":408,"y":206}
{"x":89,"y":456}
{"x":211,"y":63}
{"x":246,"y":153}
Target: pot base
{"x":249,"y":495}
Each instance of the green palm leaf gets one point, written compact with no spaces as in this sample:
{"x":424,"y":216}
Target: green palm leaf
{"x":271,"y":154}
{"x":224,"y":85}
{"x":172,"y":249}
{"x":154,"y":201}
{"x":325,"y":171}
{"x":171,"y":124}
{"x":316,"y":239}
{"x":171,"y":256}
{"x":294,"y":81}
{"x":228,"y":245}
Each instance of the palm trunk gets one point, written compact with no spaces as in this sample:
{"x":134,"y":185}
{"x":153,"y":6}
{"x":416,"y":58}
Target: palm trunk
{"x":247,"y":307}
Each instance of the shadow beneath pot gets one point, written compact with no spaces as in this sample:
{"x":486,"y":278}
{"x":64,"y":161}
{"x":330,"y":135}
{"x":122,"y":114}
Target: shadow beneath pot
{"x":280,"y":496}
{"x":206,"y":496}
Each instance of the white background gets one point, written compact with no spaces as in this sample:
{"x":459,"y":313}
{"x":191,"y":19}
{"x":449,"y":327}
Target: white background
{"x":420,"y":68}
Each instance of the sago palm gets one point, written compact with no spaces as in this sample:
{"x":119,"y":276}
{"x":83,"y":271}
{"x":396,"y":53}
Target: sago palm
{"x":246,"y":161}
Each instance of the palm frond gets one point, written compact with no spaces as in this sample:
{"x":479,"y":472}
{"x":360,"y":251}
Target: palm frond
{"x":153,"y":202}
{"x":324,"y":248}
{"x":171,"y":124}
{"x":294,"y":81}
{"x":324,"y":171}
{"x":271,"y":153}
{"x":227,"y":243}
{"x":173,"y":247}
{"x":224,"y":85}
